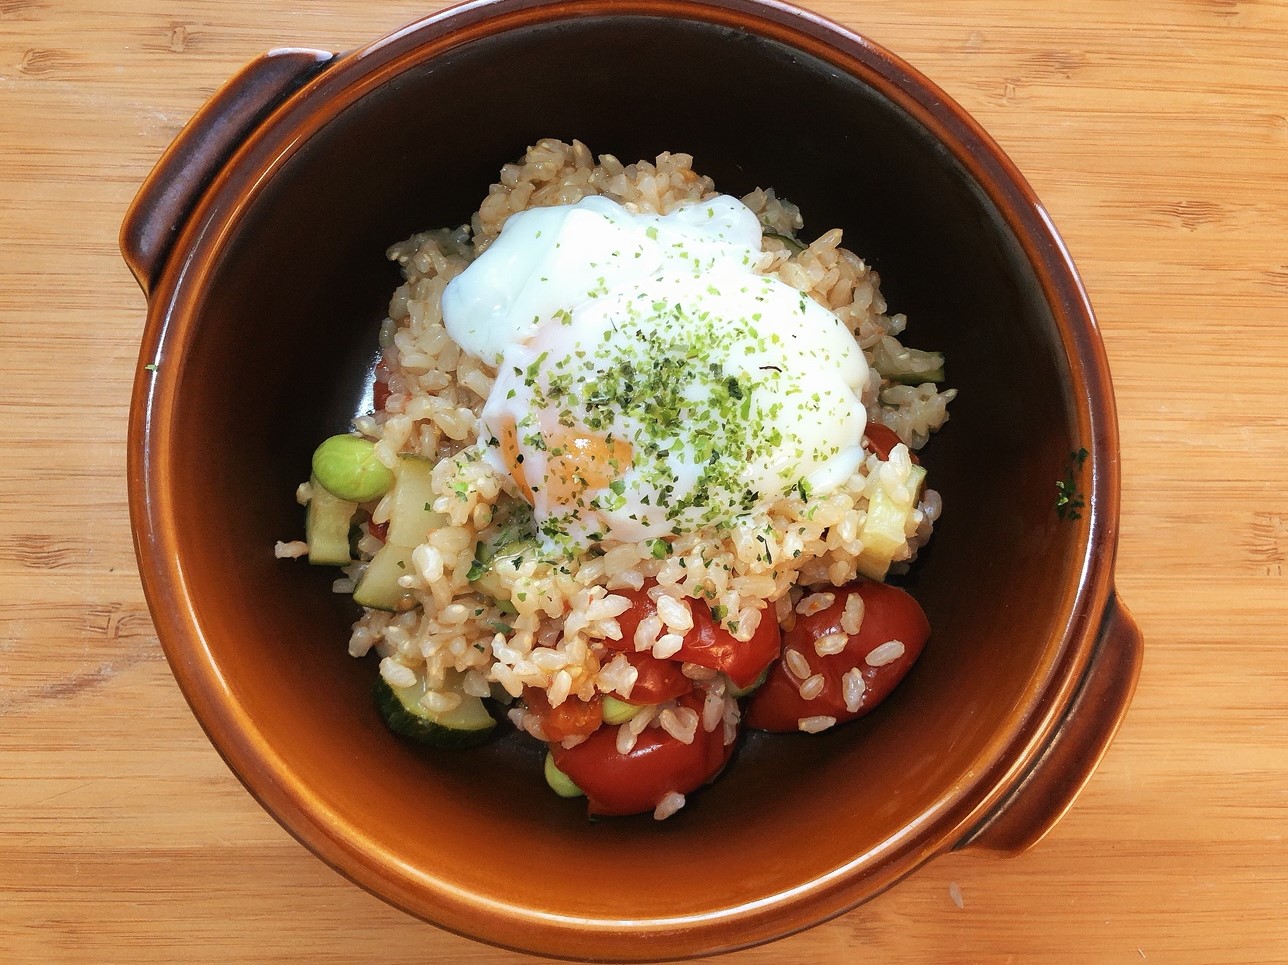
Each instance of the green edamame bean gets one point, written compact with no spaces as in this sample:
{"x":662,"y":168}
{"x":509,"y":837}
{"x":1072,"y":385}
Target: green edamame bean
{"x":347,"y":467}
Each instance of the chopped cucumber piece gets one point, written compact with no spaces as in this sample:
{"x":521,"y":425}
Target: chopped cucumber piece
{"x":410,"y":518}
{"x":560,"y":782}
{"x":326,"y":527}
{"x":907,"y":366}
{"x":883,"y":534}
{"x":617,"y":711}
{"x":347,"y":466}
{"x":465,"y":725}
{"x":379,"y":587}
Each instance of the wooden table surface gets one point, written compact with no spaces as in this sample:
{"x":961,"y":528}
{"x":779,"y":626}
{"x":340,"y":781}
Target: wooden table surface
{"x":1156,"y":131}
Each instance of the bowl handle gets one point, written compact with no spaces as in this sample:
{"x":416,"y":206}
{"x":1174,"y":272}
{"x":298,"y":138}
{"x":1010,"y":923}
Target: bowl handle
{"x":1080,"y":741}
{"x":187,"y":167}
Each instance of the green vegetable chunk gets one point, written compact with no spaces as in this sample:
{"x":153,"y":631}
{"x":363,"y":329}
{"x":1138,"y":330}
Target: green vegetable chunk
{"x":326,"y":527}
{"x":618,"y":711}
{"x":882,"y":532}
{"x":466,"y":725}
{"x":411,"y":519}
{"x":379,"y":588}
{"x":347,"y":467}
{"x":560,"y":782}
{"x":907,"y":366}
{"x":487,"y":577}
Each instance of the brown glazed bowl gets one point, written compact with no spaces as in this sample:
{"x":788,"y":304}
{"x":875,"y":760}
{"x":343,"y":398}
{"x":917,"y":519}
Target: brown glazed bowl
{"x":259,"y":242}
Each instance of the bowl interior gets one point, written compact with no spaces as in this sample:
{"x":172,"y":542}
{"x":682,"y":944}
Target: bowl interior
{"x":288,"y":315}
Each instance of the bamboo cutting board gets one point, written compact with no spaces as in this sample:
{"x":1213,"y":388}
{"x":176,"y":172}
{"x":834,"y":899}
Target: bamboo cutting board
{"x":1156,"y":132}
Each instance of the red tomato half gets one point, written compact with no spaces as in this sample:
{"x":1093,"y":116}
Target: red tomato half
{"x":658,"y":680}
{"x":708,"y":644}
{"x":641,"y":607}
{"x":658,"y":764}
{"x":881,"y":439}
{"x":889,"y":614}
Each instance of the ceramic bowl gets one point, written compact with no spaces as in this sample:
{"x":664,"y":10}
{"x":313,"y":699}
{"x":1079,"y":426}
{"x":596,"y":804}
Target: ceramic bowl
{"x":259,"y":240}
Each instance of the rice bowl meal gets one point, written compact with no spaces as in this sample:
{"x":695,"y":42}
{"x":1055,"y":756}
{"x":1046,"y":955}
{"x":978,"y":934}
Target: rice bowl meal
{"x":638,"y":464}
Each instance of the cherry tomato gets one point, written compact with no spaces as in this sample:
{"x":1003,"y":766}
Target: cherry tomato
{"x":572,"y":718}
{"x":658,"y":680}
{"x":708,"y":644}
{"x":641,"y":607}
{"x":889,"y":614}
{"x":881,"y":439}
{"x":637,"y":781}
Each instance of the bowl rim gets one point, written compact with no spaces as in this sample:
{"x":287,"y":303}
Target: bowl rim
{"x":960,"y":809}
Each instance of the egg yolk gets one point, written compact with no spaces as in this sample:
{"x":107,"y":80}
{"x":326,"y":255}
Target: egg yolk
{"x":577,"y":460}
{"x":580,"y":460}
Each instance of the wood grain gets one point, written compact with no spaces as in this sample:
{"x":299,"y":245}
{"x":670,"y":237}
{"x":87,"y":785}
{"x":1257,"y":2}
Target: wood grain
{"x":1157,"y":134}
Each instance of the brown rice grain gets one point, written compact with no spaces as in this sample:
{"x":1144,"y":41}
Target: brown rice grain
{"x":671,"y":802}
{"x":815,"y":603}
{"x":831,"y":643}
{"x":796,"y":663}
{"x":813,"y":725}
{"x":888,"y":652}
{"x":812,"y":687}
{"x":853,"y":688}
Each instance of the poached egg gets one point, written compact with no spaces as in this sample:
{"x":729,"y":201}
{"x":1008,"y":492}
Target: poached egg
{"x":650,"y":382}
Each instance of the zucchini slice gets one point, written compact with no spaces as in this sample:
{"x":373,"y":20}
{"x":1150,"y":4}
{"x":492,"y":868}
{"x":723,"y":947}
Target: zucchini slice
{"x":326,"y":527}
{"x":882,"y":533}
{"x":410,"y":518}
{"x":379,"y":587}
{"x":466,"y":725}
{"x":907,"y":366}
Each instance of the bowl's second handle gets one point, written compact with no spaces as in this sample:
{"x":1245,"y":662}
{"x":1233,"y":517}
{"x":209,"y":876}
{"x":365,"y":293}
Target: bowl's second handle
{"x":1080,"y":741}
{"x":171,"y":191}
